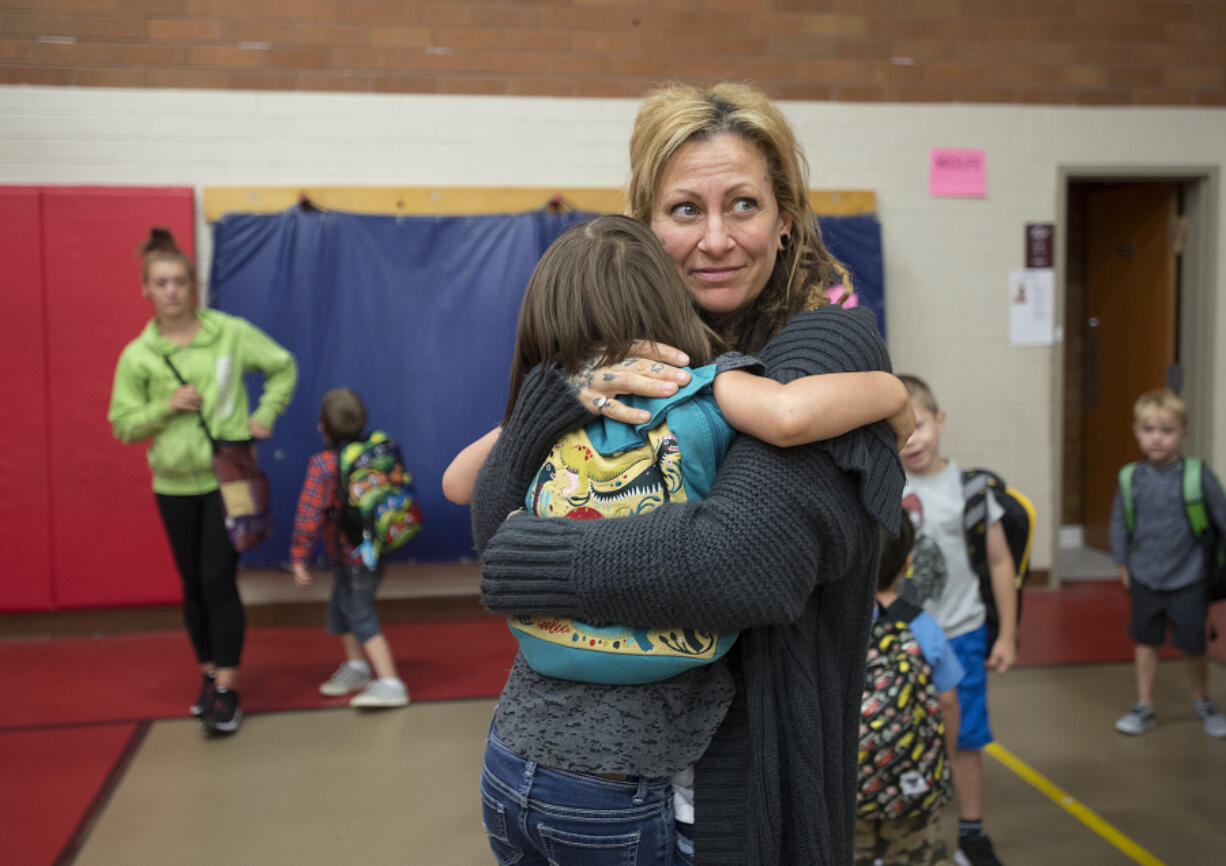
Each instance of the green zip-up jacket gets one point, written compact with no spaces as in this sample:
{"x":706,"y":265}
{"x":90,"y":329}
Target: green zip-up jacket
{"x":225,"y":348}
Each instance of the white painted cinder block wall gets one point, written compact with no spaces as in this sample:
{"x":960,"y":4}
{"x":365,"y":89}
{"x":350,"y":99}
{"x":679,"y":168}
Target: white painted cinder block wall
{"x":947,"y":260}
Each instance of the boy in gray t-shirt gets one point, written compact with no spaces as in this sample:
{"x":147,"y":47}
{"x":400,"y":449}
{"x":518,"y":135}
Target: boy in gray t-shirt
{"x":948,"y":588}
{"x":1160,"y":562}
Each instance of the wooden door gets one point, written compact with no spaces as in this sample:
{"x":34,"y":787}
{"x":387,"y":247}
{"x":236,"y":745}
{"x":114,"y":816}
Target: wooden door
{"x":1129,"y":329}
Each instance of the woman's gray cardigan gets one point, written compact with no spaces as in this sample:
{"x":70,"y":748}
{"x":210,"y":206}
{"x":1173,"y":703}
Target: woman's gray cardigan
{"x":784,"y":550}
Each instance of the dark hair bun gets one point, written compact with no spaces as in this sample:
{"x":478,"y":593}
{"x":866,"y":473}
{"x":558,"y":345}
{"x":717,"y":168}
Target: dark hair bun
{"x":160,"y":241}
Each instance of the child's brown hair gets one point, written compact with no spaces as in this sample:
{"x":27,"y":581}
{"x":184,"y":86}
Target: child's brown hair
{"x":342,"y":416}
{"x":599,"y":287}
{"x":894,"y":554}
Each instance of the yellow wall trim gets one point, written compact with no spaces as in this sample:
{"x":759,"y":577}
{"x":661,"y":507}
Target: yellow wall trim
{"x":454,"y":201}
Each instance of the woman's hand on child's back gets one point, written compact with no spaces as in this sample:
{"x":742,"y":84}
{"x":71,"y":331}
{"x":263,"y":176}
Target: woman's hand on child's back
{"x":651,"y":370}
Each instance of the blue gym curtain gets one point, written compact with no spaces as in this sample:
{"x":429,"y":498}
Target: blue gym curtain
{"x":417,"y":315}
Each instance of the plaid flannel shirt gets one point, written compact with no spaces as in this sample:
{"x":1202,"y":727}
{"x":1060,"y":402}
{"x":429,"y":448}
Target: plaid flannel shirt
{"x":317,"y":503}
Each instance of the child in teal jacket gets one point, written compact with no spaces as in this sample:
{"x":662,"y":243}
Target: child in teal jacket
{"x":209,"y":351}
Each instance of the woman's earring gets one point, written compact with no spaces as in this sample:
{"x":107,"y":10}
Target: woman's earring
{"x":784,"y":239}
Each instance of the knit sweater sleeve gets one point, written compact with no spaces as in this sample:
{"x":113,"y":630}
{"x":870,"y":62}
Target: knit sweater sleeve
{"x":748,"y":555}
{"x":544,"y":410}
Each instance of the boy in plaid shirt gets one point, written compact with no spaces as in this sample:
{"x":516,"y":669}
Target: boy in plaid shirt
{"x":351,"y":609}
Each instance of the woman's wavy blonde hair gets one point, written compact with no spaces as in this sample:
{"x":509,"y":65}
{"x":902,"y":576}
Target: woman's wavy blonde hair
{"x":676,"y":114}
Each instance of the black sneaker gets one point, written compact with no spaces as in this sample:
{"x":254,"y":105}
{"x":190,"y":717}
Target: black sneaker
{"x":223,"y":715}
{"x":975,"y":849}
{"x":208,"y":682}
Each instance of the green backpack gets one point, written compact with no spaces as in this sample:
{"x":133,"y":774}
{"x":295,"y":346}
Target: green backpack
{"x":1210,"y":537}
{"x":379,"y":510}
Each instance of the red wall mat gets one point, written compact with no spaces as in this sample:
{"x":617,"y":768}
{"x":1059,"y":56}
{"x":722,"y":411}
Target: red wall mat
{"x":107,"y":544}
{"x":50,"y":779}
{"x":24,"y":500}
{"x":59,"y":684}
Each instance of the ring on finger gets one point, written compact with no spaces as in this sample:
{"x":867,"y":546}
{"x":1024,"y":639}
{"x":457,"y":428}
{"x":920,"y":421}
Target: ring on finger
{"x":600,"y":402}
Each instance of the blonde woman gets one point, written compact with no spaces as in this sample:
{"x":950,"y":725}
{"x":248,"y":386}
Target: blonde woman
{"x":783,"y":550}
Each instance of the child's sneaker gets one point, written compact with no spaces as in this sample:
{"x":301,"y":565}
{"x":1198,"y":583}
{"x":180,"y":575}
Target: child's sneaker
{"x":224,"y":715}
{"x":975,"y":849}
{"x":347,"y":679}
{"x":382,"y":693}
{"x":1138,"y":720}
{"x":1215,"y":723}
{"x":207,"y":684}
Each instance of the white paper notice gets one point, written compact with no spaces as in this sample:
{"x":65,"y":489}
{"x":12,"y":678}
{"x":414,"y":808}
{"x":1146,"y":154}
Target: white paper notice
{"x":1031,"y":301}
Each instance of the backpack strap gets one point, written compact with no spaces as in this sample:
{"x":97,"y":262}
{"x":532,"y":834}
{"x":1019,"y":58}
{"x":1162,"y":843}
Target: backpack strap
{"x":900,"y":610}
{"x":975,"y":518}
{"x":340,"y":509}
{"x":1130,"y":511}
{"x":199,"y":412}
{"x":1194,"y":497}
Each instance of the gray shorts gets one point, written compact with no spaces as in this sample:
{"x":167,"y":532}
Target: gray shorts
{"x":351,"y":609}
{"x":1184,"y":608}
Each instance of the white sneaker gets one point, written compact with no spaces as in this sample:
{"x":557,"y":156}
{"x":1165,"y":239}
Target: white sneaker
{"x":1138,"y":720}
{"x":382,"y":693}
{"x":1215,"y":723}
{"x":347,"y":679}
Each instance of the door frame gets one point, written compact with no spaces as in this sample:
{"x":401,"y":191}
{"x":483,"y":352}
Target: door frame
{"x":1197,"y":287}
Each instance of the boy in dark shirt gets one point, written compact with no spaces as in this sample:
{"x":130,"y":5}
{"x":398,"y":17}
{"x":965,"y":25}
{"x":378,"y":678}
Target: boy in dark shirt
{"x":1160,"y":562}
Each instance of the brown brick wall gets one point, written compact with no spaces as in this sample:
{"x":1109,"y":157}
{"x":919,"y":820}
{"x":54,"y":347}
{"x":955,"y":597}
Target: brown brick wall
{"x":1088,"y":52}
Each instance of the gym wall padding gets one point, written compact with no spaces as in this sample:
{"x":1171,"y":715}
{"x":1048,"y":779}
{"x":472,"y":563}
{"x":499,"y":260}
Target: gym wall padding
{"x":72,"y":480}
{"x":415,"y":314}
{"x":418,"y":315}
{"x":25,"y":535}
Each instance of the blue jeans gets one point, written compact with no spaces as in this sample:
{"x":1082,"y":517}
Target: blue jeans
{"x":534,"y":815}
{"x":351,"y":609}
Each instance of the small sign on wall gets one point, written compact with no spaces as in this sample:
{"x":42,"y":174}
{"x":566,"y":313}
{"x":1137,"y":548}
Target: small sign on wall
{"x":1040,"y":239}
{"x":1031,"y":307}
{"x":959,"y":173}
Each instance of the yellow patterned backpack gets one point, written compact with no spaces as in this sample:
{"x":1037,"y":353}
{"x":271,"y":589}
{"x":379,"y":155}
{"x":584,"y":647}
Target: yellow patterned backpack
{"x":609,"y":469}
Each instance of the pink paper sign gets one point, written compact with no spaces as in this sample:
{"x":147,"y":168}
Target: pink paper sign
{"x":953,"y":172}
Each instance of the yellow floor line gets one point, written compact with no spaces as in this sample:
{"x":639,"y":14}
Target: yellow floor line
{"x":1067,"y":802}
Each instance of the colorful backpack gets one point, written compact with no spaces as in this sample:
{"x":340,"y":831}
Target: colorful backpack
{"x":903,"y":771}
{"x":379,"y":512}
{"x":1211,"y":538}
{"x":1018,"y":525}
{"x":610,"y":469}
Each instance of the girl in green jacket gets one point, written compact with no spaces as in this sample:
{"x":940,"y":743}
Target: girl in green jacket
{"x":210,"y":351}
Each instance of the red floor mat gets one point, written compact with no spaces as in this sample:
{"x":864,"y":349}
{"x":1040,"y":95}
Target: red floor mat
{"x":1085,"y":622}
{"x":151,"y":676}
{"x":40,"y":810}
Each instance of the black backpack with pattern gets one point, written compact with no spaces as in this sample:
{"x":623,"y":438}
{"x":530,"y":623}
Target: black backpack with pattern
{"x":903,"y":767}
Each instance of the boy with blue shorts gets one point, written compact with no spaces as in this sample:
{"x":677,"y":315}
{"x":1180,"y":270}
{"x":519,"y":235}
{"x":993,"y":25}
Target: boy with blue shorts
{"x":351,"y":608}
{"x":1160,"y":562}
{"x":949,"y":591}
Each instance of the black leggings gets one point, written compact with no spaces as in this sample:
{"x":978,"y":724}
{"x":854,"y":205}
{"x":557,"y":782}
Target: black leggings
{"x":207,"y":565}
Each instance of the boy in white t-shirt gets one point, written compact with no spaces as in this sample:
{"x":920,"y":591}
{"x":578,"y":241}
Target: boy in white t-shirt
{"x":947,"y":586}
